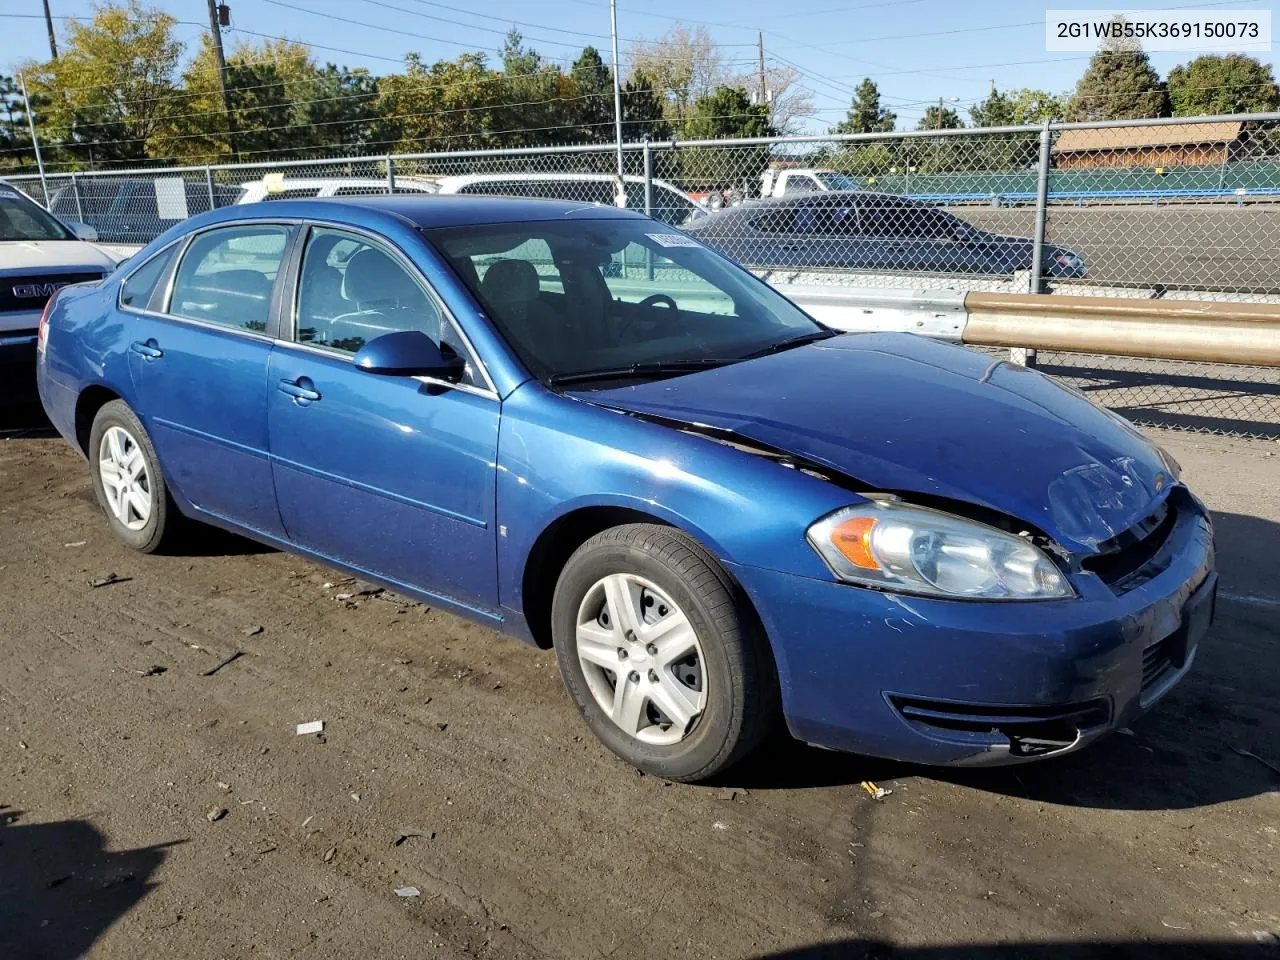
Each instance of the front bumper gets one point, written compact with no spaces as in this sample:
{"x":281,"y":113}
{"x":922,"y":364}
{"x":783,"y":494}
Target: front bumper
{"x":966,"y":683}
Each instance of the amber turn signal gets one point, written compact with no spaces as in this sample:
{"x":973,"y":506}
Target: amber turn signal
{"x":853,"y":539}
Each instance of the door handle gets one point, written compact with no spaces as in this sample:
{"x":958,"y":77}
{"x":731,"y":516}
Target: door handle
{"x":300,"y":389}
{"x":149,"y":350}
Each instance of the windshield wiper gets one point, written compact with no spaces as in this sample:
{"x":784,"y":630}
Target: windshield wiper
{"x":653,"y":368}
{"x":799,"y":341}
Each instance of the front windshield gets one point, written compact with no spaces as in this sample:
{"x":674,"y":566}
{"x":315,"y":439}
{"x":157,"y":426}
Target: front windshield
{"x":22,"y":219}
{"x":835,"y":181}
{"x":596,"y":295}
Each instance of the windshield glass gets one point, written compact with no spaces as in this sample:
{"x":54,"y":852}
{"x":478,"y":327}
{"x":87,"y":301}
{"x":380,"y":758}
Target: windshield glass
{"x":22,"y":219}
{"x":835,"y":181}
{"x":594,"y":295}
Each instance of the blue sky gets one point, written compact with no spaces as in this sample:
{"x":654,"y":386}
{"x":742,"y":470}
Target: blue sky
{"x":916,"y":50}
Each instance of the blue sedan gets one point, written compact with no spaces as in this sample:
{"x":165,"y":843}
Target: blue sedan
{"x":582,"y":427}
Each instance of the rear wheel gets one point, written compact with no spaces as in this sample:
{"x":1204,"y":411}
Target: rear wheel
{"x":127,"y":480}
{"x":659,"y":652}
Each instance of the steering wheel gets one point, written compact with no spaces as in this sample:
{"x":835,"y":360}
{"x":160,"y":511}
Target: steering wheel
{"x":651,"y":301}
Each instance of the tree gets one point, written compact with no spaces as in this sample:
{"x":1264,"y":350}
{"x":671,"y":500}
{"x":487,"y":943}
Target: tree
{"x":642,"y":109}
{"x":788,"y":101}
{"x":450,"y":104}
{"x":113,"y":87}
{"x":1118,"y":84}
{"x":538,"y":98}
{"x":685,"y":66}
{"x":727,"y":112}
{"x":1016,"y":108}
{"x":1212,"y":85}
{"x":940,"y":118}
{"x":865,"y":113}
{"x":592,"y":83}
{"x":15,"y":141}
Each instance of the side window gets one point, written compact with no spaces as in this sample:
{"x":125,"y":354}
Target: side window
{"x":778,"y":220}
{"x":227,"y":274}
{"x":797,"y":185}
{"x":503,"y":188}
{"x":351,"y":290}
{"x":828,"y":219}
{"x":137,"y":290}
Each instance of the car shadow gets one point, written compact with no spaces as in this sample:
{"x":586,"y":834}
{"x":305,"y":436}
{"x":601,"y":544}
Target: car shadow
{"x":202,"y":540}
{"x":24,"y":418}
{"x":1185,"y":753}
{"x":60,"y":890}
{"x":1128,"y":950}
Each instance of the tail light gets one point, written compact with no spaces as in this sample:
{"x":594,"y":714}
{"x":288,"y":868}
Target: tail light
{"x":42,"y":334}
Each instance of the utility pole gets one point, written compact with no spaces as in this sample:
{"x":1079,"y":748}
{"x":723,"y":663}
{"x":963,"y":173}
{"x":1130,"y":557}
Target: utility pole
{"x":215,"y":28}
{"x":939,"y":110}
{"x":760,"y":43}
{"x":48,"y":22}
{"x":617,"y":90}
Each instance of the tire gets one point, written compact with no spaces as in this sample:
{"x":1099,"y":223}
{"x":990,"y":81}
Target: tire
{"x":727,"y":686}
{"x":118,"y":437}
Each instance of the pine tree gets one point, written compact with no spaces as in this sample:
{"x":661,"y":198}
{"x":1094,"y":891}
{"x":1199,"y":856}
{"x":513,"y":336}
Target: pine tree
{"x":865,"y":113}
{"x":1119,"y":84}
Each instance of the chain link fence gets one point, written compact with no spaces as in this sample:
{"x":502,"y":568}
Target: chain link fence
{"x":1152,"y":209}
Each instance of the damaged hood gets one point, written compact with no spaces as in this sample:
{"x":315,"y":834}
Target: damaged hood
{"x":900,"y":413}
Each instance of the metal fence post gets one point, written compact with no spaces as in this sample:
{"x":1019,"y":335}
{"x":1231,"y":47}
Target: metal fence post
{"x":648,"y":177}
{"x":1022,"y":355}
{"x":208,"y":180}
{"x":75,"y":191}
{"x":391,"y":175}
{"x":647,"y":150}
{"x":1042,"y":211}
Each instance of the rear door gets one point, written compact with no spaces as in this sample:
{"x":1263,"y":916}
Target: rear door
{"x":199,"y":359}
{"x":391,"y":474}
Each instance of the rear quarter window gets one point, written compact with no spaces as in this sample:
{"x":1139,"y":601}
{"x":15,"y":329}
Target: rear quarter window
{"x":140,"y":287}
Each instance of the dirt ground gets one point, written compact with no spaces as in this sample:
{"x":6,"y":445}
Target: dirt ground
{"x":452,"y":762}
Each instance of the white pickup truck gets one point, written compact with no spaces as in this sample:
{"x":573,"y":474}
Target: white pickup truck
{"x":788,"y":182}
{"x":39,"y":255}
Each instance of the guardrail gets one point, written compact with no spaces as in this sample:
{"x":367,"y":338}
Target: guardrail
{"x":1240,"y":195}
{"x":1247,"y":334}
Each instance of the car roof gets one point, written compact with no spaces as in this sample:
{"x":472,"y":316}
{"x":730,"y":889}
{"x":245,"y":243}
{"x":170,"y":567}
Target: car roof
{"x":422,"y":210}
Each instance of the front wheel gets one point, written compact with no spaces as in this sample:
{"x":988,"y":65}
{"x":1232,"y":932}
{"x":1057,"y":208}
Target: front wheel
{"x":660,"y":653}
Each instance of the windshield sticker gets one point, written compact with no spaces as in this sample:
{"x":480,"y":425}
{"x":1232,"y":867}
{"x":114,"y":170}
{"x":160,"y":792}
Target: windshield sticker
{"x":672,"y":240}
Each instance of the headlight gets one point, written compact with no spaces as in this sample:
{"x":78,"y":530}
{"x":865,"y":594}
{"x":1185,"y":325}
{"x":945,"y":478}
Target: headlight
{"x":916,"y":550}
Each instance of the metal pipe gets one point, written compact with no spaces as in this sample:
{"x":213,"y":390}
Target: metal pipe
{"x":75,"y":190}
{"x":1206,"y":331}
{"x":391,"y":175}
{"x":617,"y":88}
{"x":35,"y":141}
{"x":208,"y":182}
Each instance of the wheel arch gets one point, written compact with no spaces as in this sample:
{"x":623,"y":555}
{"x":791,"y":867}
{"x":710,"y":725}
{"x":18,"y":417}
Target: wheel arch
{"x":91,"y":399}
{"x":559,"y":539}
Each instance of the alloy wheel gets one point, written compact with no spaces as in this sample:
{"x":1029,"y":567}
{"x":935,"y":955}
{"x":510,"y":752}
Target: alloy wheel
{"x":125,"y":481}
{"x":641,"y":659}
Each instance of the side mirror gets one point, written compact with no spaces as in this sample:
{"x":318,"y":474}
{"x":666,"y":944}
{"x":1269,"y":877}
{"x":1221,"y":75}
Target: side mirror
{"x":409,"y":353}
{"x":83,"y":231}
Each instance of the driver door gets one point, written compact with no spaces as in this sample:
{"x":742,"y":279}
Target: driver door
{"x":390,"y":474}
